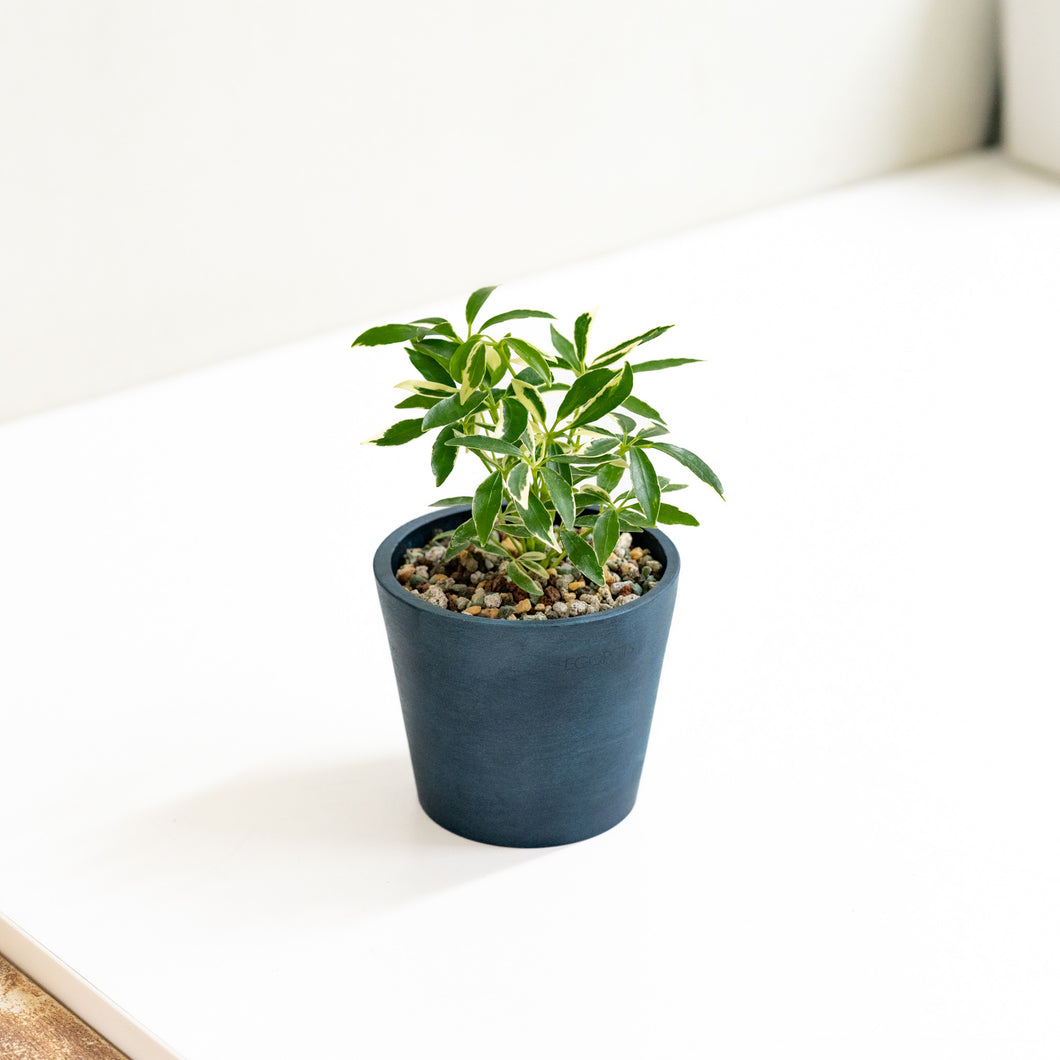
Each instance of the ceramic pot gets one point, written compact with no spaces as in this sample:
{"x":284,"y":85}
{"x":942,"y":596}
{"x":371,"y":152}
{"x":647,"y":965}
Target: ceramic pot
{"x":525,"y":734}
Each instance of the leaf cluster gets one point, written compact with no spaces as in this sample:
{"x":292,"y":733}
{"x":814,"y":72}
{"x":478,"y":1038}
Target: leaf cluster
{"x":567,"y":449}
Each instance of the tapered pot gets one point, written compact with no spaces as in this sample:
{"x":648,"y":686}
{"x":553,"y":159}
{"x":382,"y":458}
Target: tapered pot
{"x":525,"y":734}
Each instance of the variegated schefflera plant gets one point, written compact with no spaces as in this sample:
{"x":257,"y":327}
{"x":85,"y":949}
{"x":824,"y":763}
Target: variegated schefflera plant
{"x":554,"y":487}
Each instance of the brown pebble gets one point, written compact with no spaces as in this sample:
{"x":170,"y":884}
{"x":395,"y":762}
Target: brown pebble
{"x":636,"y":553}
{"x":491,"y":612}
{"x":552,"y":594}
{"x":474,"y":609}
{"x":405,"y":572}
{"x":540,"y":606}
{"x":575,"y":586}
{"x":523,"y":606}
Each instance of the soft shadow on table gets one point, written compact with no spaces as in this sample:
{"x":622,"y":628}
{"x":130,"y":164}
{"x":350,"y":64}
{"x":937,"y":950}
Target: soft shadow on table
{"x":351,"y":835}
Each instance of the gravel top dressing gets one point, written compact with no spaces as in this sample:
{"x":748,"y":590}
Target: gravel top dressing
{"x":476,"y":584}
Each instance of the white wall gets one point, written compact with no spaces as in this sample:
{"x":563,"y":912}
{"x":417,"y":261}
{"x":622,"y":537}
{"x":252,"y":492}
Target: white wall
{"x":184,"y":182}
{"x":1031,"y":63}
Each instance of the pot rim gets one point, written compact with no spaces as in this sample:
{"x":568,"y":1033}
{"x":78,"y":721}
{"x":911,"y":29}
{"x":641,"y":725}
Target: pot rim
{"x":387,"y":582}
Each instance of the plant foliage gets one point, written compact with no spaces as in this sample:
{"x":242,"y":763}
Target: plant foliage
{"x":557,"y":433}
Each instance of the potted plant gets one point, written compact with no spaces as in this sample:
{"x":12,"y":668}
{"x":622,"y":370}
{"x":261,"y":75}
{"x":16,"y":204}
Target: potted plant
{"x":527,"y":621}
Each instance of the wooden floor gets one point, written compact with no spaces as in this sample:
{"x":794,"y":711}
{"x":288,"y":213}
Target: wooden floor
{"x":34,"y":1026}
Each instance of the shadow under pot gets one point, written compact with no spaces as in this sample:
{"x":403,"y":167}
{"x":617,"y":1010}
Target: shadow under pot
{"x":525,"y":734}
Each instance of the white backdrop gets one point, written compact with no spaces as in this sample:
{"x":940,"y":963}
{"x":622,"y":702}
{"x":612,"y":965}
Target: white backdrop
{"x":185,"y":182}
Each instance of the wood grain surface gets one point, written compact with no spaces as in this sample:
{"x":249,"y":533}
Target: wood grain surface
{"x":34,"y":1026}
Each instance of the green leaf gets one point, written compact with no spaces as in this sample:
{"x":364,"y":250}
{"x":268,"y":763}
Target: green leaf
{"x":518,"y":484}
{"x":439,"y":350}
{"x":616,"y":352}
{"x":670,"y":362}
{"x":514,"y":418}
{"x":399,"y":433}
{"x":613,"y":396}
{"x":418,"y":401}
{"x":429,"y":368}
{"x":537,"y":519}
{"x":528,"y":375}
{"x":581,"y":336}
{"x":425,"y":386}
{"x":522,"y":579}
{"x":584,"y":389}
{"x":494,"y":549}
{"x":671,"y":487}
{"x":582,"y":556}
{"x":693,"y":463}
{"x":458,"y":363}
{"x":599,"y":446}
{"x":516,"y":314}
{"x":652,"y":432}
{"x":609,"y":477}
{"x":450,"y":410}
{"x":442,"y":456}
{"x":486,"y":504}
{"x":561,"y":494}
{"x":476,"y":301}
{"x":605,"y":535}
{"x":565,"y":348}
{"x":642,"y":408}
{"x":527,"y":394}
{"x":489,"y":445}
{"x":476,"y":366}
{"x":645,"y":483}
{"x":631,"y":520}
{"x":387,"y":334}
{"x":498,"y":363}
{"x":582,"y":458}
{"x":449,"y":502}
{"x":669,"y":514}
{"x":531,"y":354}
{"x":563,"y":470}
{"x":628,"y":425}
{"x":441,"y":326}
{"x":590,"y":494}
{"x":463,"y":536}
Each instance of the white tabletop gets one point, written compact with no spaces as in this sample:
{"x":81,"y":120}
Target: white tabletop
{"x":846,"y":841}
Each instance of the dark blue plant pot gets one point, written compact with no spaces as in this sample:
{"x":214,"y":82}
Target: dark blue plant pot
{"x":525,"y":734}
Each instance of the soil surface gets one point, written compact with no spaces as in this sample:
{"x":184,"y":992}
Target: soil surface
{"x":476,"y":584}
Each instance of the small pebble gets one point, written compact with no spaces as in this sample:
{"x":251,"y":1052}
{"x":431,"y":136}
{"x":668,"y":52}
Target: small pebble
{"x":435,"y":596}
{"x":492,"y":601}
{"x":490,"y":612}
{"x":577,"y":608}
{"x":523,"y":607}
{"x":474,"y":609}
{"x":506,"y":611}
{"x":560,"y":609}
{"x":405,"y":572}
